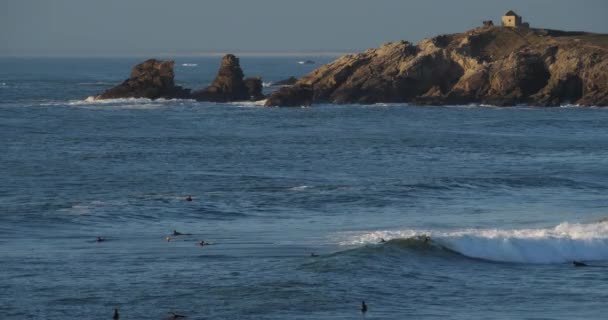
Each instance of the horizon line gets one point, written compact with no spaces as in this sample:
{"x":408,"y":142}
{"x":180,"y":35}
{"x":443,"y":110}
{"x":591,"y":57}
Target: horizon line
{"x":186,"y":55}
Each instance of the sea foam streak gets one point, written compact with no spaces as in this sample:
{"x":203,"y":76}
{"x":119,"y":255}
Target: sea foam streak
{"x":563,"y":243}
{"x":128,"y":103}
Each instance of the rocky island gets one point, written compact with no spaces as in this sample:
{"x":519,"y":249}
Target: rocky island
{"x":489,"y":65}
{"x":495,"y":65}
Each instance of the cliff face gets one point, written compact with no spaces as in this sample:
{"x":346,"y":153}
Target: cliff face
{"x":490,"y":65}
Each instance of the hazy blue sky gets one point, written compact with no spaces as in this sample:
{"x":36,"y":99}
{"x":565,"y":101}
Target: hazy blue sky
{"x":84,"y":27}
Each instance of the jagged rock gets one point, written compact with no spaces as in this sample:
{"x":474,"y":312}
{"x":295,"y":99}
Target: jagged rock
{"x":487,"y":65}
{"x":294,"y":96}
{"x":229,"y":84}
{"x":151,"y":79}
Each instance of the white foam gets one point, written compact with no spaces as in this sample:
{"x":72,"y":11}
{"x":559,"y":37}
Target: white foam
{"x":93,"y":100}
{"x":124,"y":103}
{"x":189,"y":64}
{"x":563,"y":243}
{"x":267,"y":84}
{"x":299,"y":188}
{"x":259,"y":103}
{"x":565,"y":106}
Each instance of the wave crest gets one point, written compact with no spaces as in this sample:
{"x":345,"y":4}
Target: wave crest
{"x":563,"y":243}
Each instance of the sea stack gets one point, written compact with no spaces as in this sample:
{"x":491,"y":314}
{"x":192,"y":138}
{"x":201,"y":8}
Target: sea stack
{"x":152,"y":79}
{"x":229,"y":84}
{"x":501,"y":66}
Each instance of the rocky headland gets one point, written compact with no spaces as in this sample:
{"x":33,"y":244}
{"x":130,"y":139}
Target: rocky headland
{"x":488,"y":65}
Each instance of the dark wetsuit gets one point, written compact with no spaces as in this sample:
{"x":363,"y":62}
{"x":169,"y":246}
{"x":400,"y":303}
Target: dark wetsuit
{"x":363,"y":307}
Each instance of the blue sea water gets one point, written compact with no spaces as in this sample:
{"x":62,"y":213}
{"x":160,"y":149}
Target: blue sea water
{"x":508,"y":196}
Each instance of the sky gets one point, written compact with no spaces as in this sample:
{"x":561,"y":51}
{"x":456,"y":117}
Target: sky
{"x":183,"y":27}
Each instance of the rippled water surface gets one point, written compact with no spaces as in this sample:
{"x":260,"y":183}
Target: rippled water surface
{"x":483,"y":209}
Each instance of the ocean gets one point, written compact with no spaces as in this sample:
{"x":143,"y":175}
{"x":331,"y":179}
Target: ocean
{"x":482,"y":209}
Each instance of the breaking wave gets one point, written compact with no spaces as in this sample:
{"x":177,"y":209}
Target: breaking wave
{"x":563,"y":243}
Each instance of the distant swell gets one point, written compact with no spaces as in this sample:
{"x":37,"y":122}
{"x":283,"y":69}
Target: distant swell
{"x":563,"y":243}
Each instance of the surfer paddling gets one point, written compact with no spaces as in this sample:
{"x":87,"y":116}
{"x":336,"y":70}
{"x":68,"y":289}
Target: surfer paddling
{"x":175,"y":316}
{"x":579,"y":264}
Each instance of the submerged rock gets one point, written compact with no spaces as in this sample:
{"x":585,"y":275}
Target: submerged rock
{"x":152,"y":79}
{"x":487,"y":65}
{"x":229,"y":84}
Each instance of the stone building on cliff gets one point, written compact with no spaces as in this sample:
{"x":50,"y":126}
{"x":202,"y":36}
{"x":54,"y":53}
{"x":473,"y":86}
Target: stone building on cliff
{"x":511,"y":19}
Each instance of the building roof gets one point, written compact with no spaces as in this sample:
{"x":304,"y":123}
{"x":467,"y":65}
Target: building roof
{"x":511,"y":13}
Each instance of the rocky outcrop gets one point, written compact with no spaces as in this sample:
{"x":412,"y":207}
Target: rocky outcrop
{"x":152,"y":79}
{"x":293,"y":96}
{"x":487,"y":65}
{"x":229,"y":84}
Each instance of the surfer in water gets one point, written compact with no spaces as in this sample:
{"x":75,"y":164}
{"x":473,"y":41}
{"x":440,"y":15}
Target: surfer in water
{"x":100,"y":239}
{"x":202,"y":243}
{"x":314,"y":255}
{"x":579,"y":264}
{"x":115,"y":316}
{"x":189,"y":198}
{"x":363,"y":308}
{"x":382,"y":240}
{"x":175,"y":316}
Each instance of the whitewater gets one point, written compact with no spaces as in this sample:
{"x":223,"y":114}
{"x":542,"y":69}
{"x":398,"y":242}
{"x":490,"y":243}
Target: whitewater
{"x":565,"y":242}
